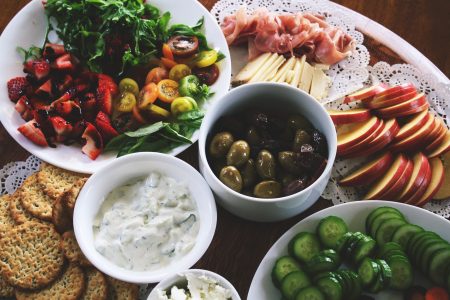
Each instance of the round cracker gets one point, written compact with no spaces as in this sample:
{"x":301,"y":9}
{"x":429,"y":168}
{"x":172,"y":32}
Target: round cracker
{"x":69,"y":246}
{"x":96,"y":285}
{"x":34,"y":200}
{"x":71,"y":195}
{"x":56,"y":181}
{"x":70,"y":286}
{"x":31,"y":258}
{"x":6,"y":290}
{"x":120,"y":290}
{"x":61,"y":217}
{"x":5,"y":215}
{"x":18,"y":213}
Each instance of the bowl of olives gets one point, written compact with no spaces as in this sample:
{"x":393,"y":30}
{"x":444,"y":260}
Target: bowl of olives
{"x":267,"y":151}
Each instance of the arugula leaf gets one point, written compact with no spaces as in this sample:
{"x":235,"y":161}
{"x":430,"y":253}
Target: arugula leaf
{"x":182,"y":29}
{"x":33,"y":52}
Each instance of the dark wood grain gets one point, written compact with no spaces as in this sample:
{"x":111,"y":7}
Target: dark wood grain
{"x":239,"y":245}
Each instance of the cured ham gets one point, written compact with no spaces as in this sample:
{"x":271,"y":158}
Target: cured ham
{"x":294,"y":34}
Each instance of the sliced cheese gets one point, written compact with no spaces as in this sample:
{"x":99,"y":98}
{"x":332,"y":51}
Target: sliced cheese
{"x":281,"y":73}
{"x":323,"y":67}
{"x":274,"y":68}
{"x":289,"y":76}
{"x":251,"y":69}
{"x":306,"y":78}
{"x":298,"y":71}
{"x":320,"y":84}
{"x":262,"y":72}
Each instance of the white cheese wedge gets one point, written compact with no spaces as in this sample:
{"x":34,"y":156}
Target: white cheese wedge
{"x":320,"y":84}
{"x":323,"y":67}
{"x":281,"y":73}
{"x":289,"y":76}
{"x":274,"y":69}
{"x":298,"y":71}
{"x":251,"y":69}
{"x":262,"y":72}
{"x":306,"y":78}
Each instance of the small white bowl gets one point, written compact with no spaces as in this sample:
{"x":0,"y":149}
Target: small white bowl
{"x":180,"y":278}
{"x":118,"y":173}
{"x":266,"y":96}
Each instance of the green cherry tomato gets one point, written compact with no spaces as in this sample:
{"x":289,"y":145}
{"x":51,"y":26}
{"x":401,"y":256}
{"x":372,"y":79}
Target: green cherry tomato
{"x":189,"y":86}
{"x":182,"y":104}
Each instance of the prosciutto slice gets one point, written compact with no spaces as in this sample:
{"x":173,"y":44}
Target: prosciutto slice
{"x":290,"y":34}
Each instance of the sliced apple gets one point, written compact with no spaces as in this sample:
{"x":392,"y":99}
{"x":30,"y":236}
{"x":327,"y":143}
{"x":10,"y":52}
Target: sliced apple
{"x":415,"y":140}
{"x":415,"y":102}
{"x":402,"y":97}
{"x":413,"y":125}
{"x":369,"y":172}
{"x":444,"y":191}
{"x":443,"y":147}
{"x":349,"y":116}
{"x":421,"y":189}
{"x":420,"y":168}
{"x":363,"y":144}
{"x":400,"y":184}
{"x":437,"y":141}
{"x":408,"y":112}
{"x":392,"y":175}
{"x":437,"y":179}
{"x":365,"y":94}
{"x":439,"y":127}
{"x":351,"y":134}
{"x":394,"y":92}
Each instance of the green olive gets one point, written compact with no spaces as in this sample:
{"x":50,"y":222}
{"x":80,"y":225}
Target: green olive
{"x":297,"y":122}
{"x":253,"y":137}
{"x":220,"y":144}
{"x":231,"y":177}
{"x":287,"y":160}
{"x":301,"y":137}
{"x":266,"y":165}
{"x":129,"y":85}
{"x":248,"y":173}
{"x":267,"y":189}
{"x":238,"y":154}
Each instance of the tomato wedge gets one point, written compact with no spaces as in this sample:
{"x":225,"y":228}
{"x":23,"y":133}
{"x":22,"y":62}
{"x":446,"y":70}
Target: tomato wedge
{"x":168,"y":63}
{"x":137,"y":116}
{"x":148,"y":95}
{"x":156,"y":75}
{"x":167,"y":52}
{"x":167,"y":90}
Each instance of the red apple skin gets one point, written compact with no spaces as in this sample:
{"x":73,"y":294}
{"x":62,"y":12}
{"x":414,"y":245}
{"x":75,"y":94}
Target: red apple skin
{"x":344,"y":145}
{"x":365,"y":94}
{"x":399,"y":184}
{"x":415,"y":141}
{"x":407,"y":113}
{"x":424,"y":167}
{"x":370,"y":174}
{"x":437,"y":130}
{"x":422,"y":119}
{"x":437,"y":179}
{"x":413,"y":103}
{"x":363,"y":144}
{"x":442,"y":148}
{"x":421,"y":190}
{"x":437,"y":141}
{"x":349,"y":116}
{"x":403,"y":96}
{"x":394,"y":91}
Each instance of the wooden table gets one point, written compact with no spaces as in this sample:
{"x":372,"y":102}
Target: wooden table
{"x":238,"y":245}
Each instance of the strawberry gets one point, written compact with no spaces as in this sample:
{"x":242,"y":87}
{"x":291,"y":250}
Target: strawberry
{"x":45,"y":90}
{"x":78,"y":129}
{"x":51,"y":51}
{"x":17,"y":87}
{"x":63,"y":63}
{"x":62,"y":128}
{"x":38,"y":103}
{"x":88,"y":105}
{"x":106,"y":82}
{"x":104,"y":100}
{"x":39,"y":68}
{"x":32,"y":132}
{"x":94,"y":143}
{"x":70,"y":110}
{"x":65,"y":83}
{"x":24,"y":109}
{"x":103,"y":123}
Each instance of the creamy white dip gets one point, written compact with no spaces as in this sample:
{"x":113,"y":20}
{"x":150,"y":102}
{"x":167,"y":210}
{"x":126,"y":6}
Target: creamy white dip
{"x":147,"y":223}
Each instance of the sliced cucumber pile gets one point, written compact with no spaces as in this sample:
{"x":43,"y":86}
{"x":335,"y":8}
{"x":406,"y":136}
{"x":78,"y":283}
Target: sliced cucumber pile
{"x":381,"y":258}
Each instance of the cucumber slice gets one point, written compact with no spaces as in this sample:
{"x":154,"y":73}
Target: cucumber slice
{"x":416,"y":239}
{"x":333,"y":255}
{"x":386,"y":271}
{"x":319,"y":264}
{"x":346,"y":283}
{"x":379,"y":220}
{"x":330,"y":230}
{"x":323,"y":275}
{"x":421,"y":247}
{"x":402,"y":272}
{"x":310,"y":293}
{"x":386,"y":230}
{"x":351,"y":244}
{"x":283,"y":266}
{"x":343,"y":241}
{"x":394,"y":252}
{"x":404,"y":233}
{"x":330,"y":287}
{"x":365,"y":247}
{"x":378,"y":211}
{"x":438,"y":265}
{"x":368,"y":272}
{"x":304,"y":246}
{"x":388,"y":247}
{"x":356,"y":285}
{"x":428,"y":254}
{"x":293,"y":283}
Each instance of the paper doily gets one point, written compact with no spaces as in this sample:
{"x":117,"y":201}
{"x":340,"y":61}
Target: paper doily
{"x":347,"y":76}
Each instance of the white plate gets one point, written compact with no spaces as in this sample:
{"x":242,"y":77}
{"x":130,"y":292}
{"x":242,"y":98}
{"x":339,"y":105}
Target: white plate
{"x":354,"y":214}
{"x":28,"y":28}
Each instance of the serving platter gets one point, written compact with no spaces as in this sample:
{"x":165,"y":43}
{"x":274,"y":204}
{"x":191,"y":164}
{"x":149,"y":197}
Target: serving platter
{"x":28,"y":28}
{"x":354,"y":214}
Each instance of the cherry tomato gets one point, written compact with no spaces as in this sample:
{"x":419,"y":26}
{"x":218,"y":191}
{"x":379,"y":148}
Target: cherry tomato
{"x":127,"y":102}
{"x":182,"y":104}
{"x":167,"y":52}
{"x":183,"y":46}
{"x":206,"y":58}
{"x":154,"y":111}
{"x":179,"y":71}
{"x":137,"y":116}
{"x":167,"y":90}
{"x":129,"y":85}
{"x":148,"y":95}
{"x":208,"y":75}
{"x":168,"y":63}
{"x":156,"y":75}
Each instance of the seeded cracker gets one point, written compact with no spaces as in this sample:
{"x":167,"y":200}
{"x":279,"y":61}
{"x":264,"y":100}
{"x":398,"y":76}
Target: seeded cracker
{"x":61,"y":217}
{"x":119,"y":290}
{"x":30,"y":255}
{"x":69,"y":286}
{"x":70,"y":196}
{"x":71,"y":250}
{"x":6,"y":290}
{"x":34,"y":200}
{"x":96,"y":285}
{"x":56,"y":181}
{"x":18,"y":213}
{"x":5,"y":216}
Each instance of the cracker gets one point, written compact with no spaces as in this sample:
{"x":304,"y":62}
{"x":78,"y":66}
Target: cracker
{"x":34,"y":200}
{"x":120,"y":290}
{"x":61,"y":217}
{"x":30,"y":255}
{"x":6,"y":290}
{"x":18,"y":213}
{"x":71,"y":195}
{"x":5,"y":215}
{"x":69,"y":246}
{"x":96,"y":285}
{"x":56,"y":181}
{"x":70,"y":286}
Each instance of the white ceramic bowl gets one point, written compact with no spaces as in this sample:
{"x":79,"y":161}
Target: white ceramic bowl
{"x":118,"y":173}
{"x":267,"y":96}
{"x":180,"y":279}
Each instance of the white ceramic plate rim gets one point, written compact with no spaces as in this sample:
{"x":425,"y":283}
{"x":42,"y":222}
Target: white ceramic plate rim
{"x":27,"y":28}
{"x":262,"y":288}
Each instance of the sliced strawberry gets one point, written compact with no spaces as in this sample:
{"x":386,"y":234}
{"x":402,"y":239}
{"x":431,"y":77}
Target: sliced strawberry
{"x":63,"y":63}
{"x":89,"y":108}
{"x":105,"y":100}
{"x":39,"y":68}
{"x":94,"y":143}
{"x":51,"y":51}
{"x":106,"y":82}
{"x":78,"y":129}
{"x":62,"y":128}
{"x":32,"y":132}
{"x":17,"y":87}
{"x":65,"y":83}
{"x":42,"y":117}
{"x":45,"y":90}
{"x":103,"y":123}
{"x":69,"y":110}
{"x":24,"y":109}
{"x":38,"y":103}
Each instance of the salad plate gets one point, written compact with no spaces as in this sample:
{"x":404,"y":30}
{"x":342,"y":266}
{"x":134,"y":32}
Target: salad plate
{"x":28,"y":28}
{"x":354,"y":214}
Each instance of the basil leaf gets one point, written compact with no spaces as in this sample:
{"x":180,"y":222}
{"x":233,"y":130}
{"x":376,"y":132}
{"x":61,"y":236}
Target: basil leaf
{"x":171,"y":134}
{"x":147,"y":130}
{"x":191,"y":115}
{"x":117,"y":143}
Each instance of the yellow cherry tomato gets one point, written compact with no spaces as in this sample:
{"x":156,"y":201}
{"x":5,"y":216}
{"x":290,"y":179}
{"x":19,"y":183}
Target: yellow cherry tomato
{"x":129,"y":85}
{"x":182,"y":104}
{"x":206,"y":58}
{"x":156,"y":111}
{"x":127,"y":102}
{"x":179,"y":71}
{"x":168,"y":90}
